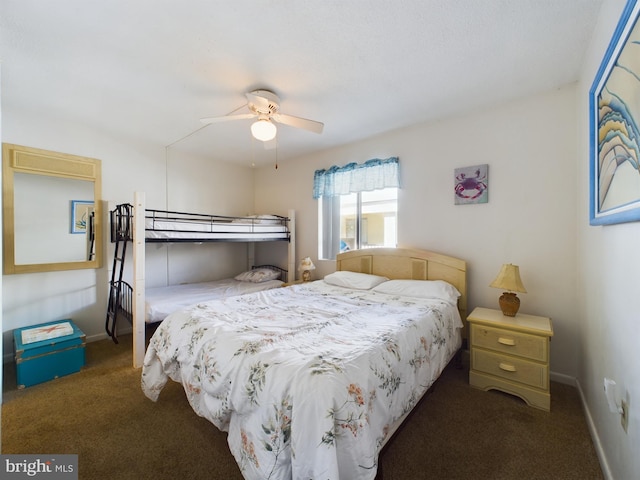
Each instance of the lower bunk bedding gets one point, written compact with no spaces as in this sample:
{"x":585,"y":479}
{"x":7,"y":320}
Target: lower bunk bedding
{"x":162,"y":301}
{"x":310,"y":379}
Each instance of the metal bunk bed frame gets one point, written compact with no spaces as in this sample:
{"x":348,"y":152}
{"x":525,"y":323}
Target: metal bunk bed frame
{"x":156,"y":219}
{"x":126,"y":301}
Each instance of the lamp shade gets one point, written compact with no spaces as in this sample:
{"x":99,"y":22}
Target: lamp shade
{"x":509,"y":279}
{"x":306,"y":264}
{"x":263,"y":130}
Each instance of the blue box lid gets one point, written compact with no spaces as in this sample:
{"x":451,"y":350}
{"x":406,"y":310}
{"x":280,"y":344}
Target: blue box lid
{"x":42,"y":347}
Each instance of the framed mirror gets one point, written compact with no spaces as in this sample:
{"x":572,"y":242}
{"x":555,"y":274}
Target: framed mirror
{"x":51,"y":210}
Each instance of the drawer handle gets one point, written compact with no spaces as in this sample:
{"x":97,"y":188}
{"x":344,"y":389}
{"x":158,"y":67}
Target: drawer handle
{"x":507,"y":367}
{"x":506,"y":341}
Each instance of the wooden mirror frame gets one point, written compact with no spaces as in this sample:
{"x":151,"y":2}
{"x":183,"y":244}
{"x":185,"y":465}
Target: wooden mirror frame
{"x":20,"y":159}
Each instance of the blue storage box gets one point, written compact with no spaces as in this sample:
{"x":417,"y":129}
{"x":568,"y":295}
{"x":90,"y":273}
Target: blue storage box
{"x":43,"y":360}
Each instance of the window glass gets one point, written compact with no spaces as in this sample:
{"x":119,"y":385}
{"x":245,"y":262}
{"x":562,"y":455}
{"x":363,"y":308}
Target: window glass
{"x":365,"y":220}
{"x":378,"y":218}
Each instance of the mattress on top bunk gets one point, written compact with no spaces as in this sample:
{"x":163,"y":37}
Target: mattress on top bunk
{"x":162,"y":301}
{"x":156,"y":228}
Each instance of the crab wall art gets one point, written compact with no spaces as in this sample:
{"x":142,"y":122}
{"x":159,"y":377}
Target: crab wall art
{"x":471,"y":184}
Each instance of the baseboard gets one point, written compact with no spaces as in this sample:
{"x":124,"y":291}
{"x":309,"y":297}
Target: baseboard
{"x":103,"y":336}
{"x":562,"y":378}
{"x":606,"y":471}
{"x":568,"y":380}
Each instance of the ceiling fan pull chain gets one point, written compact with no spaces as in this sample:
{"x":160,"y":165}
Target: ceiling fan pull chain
{"x":276,"y":153}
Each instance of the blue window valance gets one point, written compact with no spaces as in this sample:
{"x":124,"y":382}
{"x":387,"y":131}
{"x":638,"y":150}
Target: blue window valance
{"x":354,"y":177}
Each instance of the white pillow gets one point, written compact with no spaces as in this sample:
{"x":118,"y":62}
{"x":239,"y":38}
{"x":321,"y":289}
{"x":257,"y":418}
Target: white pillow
{"x":274,"y":219}
{"x":259,"y":219}
{"x":420,"y":288}
{"x":257,"y":275}
{"x":358,"y":281}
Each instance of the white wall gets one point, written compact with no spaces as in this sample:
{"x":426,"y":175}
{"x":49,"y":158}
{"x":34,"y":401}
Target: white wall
{"x":530,"y":146}
{"x":200,"y":185}
{"x":608,"y":285}
{"x":170,"y":179}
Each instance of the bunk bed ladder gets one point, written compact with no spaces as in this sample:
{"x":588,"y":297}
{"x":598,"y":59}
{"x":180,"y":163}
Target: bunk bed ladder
{"x":120,"y":292}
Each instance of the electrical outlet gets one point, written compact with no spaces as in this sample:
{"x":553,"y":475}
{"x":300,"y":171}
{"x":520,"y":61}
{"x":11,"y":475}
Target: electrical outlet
{"x":624,"y":416}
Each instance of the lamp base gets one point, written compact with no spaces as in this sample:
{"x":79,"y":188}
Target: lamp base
{"x":306,"y":275}
{"x":509,"y":304}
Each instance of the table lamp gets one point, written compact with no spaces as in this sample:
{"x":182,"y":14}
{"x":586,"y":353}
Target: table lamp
{"x":509,"y":279}
{"x":306,"y":265}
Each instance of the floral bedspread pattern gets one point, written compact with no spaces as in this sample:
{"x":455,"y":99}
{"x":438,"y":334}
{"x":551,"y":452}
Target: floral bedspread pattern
{"x":306,"y":380}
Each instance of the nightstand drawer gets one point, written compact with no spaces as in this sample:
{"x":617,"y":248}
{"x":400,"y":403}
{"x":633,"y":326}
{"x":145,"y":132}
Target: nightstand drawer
{"x":514,"y":343}
{"x":511,"y":368}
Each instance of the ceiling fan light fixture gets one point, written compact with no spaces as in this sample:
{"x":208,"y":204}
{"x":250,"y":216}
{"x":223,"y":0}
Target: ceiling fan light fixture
{"x":263,"y":130}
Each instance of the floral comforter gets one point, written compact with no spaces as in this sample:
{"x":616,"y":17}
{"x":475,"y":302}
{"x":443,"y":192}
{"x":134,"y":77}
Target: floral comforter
{"x":306,"y":380}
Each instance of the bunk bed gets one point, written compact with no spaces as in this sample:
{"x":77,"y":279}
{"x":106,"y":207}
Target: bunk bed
{"x":313,"y":380}
{"x":136,"y":225}
{"x":162,"y":301}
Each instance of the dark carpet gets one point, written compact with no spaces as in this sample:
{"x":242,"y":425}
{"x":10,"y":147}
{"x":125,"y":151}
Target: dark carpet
{"x":457,"y":432}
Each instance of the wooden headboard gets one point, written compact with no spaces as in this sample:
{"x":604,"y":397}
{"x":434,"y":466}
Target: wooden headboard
{"x":398,"y":263}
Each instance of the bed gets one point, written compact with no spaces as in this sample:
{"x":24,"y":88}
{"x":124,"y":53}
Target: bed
{"x":162,"y":301}
{"x":312,"y":380}
{"x":136,"y":225}
{"x":169,"y":226}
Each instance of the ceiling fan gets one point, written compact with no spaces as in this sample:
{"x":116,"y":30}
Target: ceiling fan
{"x":265,"y":105}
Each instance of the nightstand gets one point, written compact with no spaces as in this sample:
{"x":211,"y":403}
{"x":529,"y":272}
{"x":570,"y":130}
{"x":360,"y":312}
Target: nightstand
{"x":511,"y":354}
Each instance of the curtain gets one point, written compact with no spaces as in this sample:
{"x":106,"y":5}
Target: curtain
{"x":330,"y":227}
{"x":354,"y":177}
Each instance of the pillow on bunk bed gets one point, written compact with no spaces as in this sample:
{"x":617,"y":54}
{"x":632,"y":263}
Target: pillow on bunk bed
{"x":256,"y":219}
{"x":358,"y":281}
{"x":258,"y":275}
{"x":269,"y":219}
{"x":438,"y":289}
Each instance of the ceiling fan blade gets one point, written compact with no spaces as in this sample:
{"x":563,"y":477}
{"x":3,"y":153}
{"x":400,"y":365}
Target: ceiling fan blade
{"x":226,"y":118}
{"x":297,"y":122}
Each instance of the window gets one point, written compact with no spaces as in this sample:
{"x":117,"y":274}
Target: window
{"x":368,"y":219}
{"x":357,"y":206}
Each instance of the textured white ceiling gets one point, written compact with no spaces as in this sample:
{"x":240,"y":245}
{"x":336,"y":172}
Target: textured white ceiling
{"x":150,"y":69}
